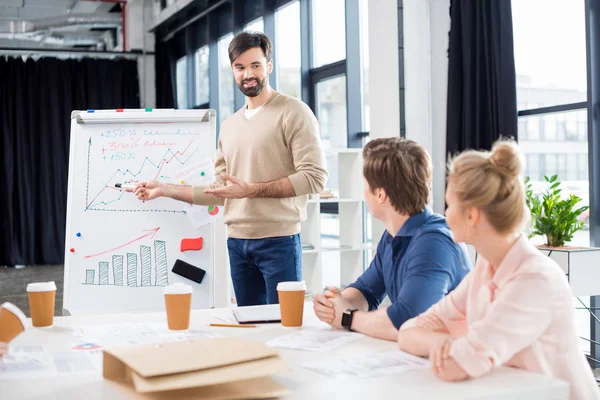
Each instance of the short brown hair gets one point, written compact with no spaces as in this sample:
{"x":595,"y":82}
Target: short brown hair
{"x":402,"y":168}
{"x":245,"y":41}
{"x":492,"y":182}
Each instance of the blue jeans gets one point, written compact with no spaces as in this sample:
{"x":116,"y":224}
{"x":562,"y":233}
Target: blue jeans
{"x":258,"y":265}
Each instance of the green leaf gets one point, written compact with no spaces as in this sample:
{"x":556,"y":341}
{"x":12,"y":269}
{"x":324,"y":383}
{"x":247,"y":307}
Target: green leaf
{"x":553,"y":216}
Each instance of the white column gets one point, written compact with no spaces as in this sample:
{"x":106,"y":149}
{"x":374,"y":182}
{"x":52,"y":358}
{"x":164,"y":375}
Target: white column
{"x":384,"y":82}
{"x":139,"y":17}
{"x":426,"y":29}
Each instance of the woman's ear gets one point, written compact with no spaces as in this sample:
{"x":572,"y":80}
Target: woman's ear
{"x":473,"y":216}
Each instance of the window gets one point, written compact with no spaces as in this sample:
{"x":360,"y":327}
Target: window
{"x":551,"y":126}
{"x":257,"y":25}
{"x":181,"y":82}
{"x":331,"y":112}
{"x":226,"y":81}
{"x":329,"y":31}
{"x":550,"y":55}
{"x":287,"y":51}
{"x":364,"y":51}
{"x":202,"y":85}
{"x":532,"y":167}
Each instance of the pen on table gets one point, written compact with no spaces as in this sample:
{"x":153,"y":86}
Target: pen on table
{"x":125,"y":186}
{"x":235,"y":325}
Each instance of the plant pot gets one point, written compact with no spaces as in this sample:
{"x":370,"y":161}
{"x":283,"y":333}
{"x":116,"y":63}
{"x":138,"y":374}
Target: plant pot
{"x":580,"y":264}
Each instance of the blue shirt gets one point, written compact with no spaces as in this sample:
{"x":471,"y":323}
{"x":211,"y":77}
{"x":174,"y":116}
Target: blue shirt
{"x":415,"y":268}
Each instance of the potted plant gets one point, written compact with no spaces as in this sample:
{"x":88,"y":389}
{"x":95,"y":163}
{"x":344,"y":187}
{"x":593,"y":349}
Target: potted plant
{"x":557,"y":217}
{"x":553,"y":216}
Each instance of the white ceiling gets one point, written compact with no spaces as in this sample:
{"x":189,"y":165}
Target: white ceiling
{"x":38,"y":10}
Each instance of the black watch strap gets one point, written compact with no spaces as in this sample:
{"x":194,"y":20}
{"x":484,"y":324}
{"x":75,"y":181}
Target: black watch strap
{"x":347,"y":319}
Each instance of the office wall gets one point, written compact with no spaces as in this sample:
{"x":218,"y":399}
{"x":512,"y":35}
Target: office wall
{"x":425,"y":28}
{"x":139,"y":19}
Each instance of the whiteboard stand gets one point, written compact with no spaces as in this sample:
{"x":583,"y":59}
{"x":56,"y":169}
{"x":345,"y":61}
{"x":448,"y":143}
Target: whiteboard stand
{"x":119,"y":250}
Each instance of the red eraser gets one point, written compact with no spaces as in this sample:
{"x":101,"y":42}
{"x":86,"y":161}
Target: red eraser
{"x":191,"y":244}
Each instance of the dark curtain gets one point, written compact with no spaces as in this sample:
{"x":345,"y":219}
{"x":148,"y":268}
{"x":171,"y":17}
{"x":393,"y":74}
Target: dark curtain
{"x":36,"y":100}
{"x":165,"y":77}
{"x":482,"y":99}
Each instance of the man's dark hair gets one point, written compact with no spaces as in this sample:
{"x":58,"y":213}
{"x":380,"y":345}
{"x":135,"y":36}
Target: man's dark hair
{"x":245,"y":41}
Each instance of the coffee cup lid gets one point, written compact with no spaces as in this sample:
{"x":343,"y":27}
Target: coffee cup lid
{"x":41,"y":286}
{"x":178,"y":288}
{"x":291,"y":286}
{"x":17,"y":311}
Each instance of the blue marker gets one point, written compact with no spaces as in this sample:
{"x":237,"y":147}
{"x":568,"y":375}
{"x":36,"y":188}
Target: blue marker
{"x":91,"y":110}
{"x":78,"y":234}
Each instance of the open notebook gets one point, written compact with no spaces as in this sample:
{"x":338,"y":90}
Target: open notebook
{"x":254,"y":315}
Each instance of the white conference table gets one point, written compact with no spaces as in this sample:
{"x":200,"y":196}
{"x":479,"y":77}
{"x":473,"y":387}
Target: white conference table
{"x":502,"y":383}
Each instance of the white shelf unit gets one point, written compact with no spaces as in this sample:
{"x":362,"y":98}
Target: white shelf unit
{"x":350,"y":203}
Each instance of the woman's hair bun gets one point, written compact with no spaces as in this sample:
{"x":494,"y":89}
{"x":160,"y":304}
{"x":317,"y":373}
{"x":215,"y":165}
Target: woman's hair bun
{"x":506,"y":159}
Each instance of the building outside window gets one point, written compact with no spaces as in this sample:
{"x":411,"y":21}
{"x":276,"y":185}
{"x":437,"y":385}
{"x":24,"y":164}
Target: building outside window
{"x":202,"y":76}
{"x":181,"y":82}
{"x":226,"y":80}
{"x":287,"y":50}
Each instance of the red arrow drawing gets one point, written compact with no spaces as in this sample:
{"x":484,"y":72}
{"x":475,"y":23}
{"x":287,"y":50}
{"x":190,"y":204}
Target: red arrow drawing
{"x":151,"y":232}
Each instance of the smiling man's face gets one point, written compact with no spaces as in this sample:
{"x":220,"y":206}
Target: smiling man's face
{"x":251,"y":70}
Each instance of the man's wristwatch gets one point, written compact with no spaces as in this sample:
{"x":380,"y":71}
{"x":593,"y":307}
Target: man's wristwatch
{"x":347,"y":319}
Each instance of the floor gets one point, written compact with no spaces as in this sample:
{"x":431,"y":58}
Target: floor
{"x":13,"y":282}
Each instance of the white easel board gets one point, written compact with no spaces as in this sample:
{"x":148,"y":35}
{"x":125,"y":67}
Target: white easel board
{"x":119,"y":250}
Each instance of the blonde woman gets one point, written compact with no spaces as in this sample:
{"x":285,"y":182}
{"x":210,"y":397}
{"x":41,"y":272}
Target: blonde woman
{"x":515,"y":307}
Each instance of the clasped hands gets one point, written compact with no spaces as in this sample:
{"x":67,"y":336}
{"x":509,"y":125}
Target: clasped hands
{"x":329,"y":307}
{"x":442,"y":364}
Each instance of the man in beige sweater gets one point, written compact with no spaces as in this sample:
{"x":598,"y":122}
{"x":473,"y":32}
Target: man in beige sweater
{"x":269,"y":159}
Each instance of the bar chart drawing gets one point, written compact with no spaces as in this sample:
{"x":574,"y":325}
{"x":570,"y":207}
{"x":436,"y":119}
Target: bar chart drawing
{"x":136,"y":274}
{"x":131,"y":269}
{"x":117,"y":270}
{"x":146,"y":261}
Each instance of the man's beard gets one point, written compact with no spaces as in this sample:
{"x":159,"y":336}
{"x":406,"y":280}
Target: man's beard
{"x":252,"y":91}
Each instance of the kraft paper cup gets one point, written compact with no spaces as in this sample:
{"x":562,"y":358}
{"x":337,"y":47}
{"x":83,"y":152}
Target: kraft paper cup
{"x":291,"y":302}
{"x":178,"y":301}
{"x":12,"y":322}
{"x":41,"y":303}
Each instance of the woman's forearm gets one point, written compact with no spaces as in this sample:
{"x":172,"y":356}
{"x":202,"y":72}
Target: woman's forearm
{"x":417,"y":340}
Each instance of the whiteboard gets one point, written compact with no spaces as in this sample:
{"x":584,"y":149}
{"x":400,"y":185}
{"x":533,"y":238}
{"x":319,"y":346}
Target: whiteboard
{"x":119,"y":250}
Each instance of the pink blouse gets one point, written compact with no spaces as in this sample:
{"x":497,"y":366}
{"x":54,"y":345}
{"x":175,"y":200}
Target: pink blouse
{"x":520,"y":316}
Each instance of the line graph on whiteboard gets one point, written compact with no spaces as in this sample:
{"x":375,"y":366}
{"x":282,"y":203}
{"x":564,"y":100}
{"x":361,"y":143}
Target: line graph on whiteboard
{"x":129,"y":160}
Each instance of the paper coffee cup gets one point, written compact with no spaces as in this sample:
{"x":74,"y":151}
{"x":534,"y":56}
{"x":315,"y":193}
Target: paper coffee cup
{"x":291,"y":302}
{"x":178,"y":301}
{"x":41,"y":303}
{"x":12,"y":322}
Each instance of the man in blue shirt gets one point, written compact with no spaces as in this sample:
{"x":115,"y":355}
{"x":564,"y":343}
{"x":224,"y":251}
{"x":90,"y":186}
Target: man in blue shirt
{"x":417,"y":261}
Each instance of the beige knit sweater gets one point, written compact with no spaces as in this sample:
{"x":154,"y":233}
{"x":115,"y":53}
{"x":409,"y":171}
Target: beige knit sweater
{"x":281,"y":140}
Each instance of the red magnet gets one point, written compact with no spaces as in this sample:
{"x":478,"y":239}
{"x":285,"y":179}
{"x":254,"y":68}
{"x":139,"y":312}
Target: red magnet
{"x":191,"y":244}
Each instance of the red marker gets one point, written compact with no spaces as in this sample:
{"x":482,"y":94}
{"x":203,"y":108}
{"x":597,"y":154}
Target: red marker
{"x":72,"y":250}
{"x":119,"y":110}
